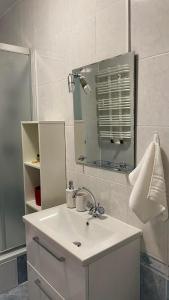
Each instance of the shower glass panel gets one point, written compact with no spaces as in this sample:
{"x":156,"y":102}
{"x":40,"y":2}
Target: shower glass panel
{"x":15,"y":106}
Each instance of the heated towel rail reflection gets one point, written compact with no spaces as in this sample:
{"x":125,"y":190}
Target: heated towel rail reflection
{"x":113,"y":90}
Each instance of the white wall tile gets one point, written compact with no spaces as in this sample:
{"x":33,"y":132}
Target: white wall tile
{"x":43,"y":25}
{"x":145,"y":136}
{"x":112,"y":30}
{"x":153,"y":91}
{"x":26,"y":19}
{"x":100,"y":188}
{"x":46,"y":70}
{"x":55,"y":103}
{"x":100,"y":4}
{"x":114,"y":197}
{"x":112,"y":177}
{"x":82,"y":43}
{"x":70,"y":149}
{"x":81,"y":10}
{"x":149,"y":27}
{"x":118,"y":202}
{"x":60,"y":15}
{"x":86,"y":181}
{"x":50,"y":69}
{"x":62,"y":42}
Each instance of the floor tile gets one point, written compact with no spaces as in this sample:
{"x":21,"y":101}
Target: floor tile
{"x":19,"y":293}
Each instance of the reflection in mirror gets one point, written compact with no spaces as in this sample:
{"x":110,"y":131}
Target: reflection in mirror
{"x":104,"y":113}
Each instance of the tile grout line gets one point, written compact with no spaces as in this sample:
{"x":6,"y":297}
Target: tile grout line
{"x":154,"y":56}
{"x":129,"y":25}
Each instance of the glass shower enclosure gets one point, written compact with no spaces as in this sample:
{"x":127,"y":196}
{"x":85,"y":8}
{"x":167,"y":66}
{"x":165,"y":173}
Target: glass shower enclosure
{"x":15,"y":106}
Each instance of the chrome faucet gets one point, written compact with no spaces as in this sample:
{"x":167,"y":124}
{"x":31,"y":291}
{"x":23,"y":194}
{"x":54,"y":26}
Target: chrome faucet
{"x":94,"y":208}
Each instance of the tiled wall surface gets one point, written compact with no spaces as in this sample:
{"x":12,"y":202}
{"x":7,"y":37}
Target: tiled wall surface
{"x":154,"y":279}
{"x":71,"y":33}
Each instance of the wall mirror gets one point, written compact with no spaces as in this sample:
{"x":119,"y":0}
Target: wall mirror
{"x":103,"y":95}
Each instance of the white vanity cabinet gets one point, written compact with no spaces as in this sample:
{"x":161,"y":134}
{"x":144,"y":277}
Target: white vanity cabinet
{"x":67,"y":277}
{"x":55,"y":274}
{"x":39,"y":288}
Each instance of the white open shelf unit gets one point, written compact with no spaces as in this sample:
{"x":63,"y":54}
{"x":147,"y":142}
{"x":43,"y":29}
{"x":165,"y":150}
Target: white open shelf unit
{"x":47,"y":139}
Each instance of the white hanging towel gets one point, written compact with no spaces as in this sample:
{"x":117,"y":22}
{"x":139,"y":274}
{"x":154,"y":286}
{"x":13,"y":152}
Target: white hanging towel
{"x":148,"y":197}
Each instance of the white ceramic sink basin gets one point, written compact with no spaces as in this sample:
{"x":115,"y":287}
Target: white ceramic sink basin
{"x":74,"y":227}
{"x":96,"y":235}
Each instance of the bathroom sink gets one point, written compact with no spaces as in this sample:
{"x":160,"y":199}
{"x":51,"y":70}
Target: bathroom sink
{"x":80,"y":234}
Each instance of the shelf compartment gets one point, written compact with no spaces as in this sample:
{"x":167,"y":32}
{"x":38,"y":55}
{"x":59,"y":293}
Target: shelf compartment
{"x":32,"y":165}
{"x":32,"y":204}
{"x":32,"y":180}
{"x":30,"y":141}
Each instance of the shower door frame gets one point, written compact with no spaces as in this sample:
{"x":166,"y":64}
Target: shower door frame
{"x":15,"y":49}
{"x":33,"y":94}
{"x":33,"y":73}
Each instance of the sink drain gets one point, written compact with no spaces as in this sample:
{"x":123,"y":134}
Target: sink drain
{"x":78,"y":244}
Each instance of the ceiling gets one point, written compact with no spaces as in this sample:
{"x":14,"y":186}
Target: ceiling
{"x":4,"y":5}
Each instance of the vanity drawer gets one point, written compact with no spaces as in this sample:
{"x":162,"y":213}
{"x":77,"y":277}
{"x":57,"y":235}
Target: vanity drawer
{"x":39,"y":288}
{"x":55,"y":264}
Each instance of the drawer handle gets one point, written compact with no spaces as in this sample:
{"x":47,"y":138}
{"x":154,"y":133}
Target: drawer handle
{"x":38,"y":283}
{"x":61,"y":258}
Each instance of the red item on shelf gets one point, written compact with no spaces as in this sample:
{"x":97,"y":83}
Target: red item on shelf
{"x":38,"y":195}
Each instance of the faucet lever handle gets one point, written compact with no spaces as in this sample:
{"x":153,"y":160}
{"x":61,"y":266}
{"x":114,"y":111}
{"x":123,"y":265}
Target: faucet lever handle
{"x":100,"y":209}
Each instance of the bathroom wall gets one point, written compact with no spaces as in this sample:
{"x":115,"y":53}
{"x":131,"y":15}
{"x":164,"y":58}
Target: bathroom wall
{"x":67,"y":34}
